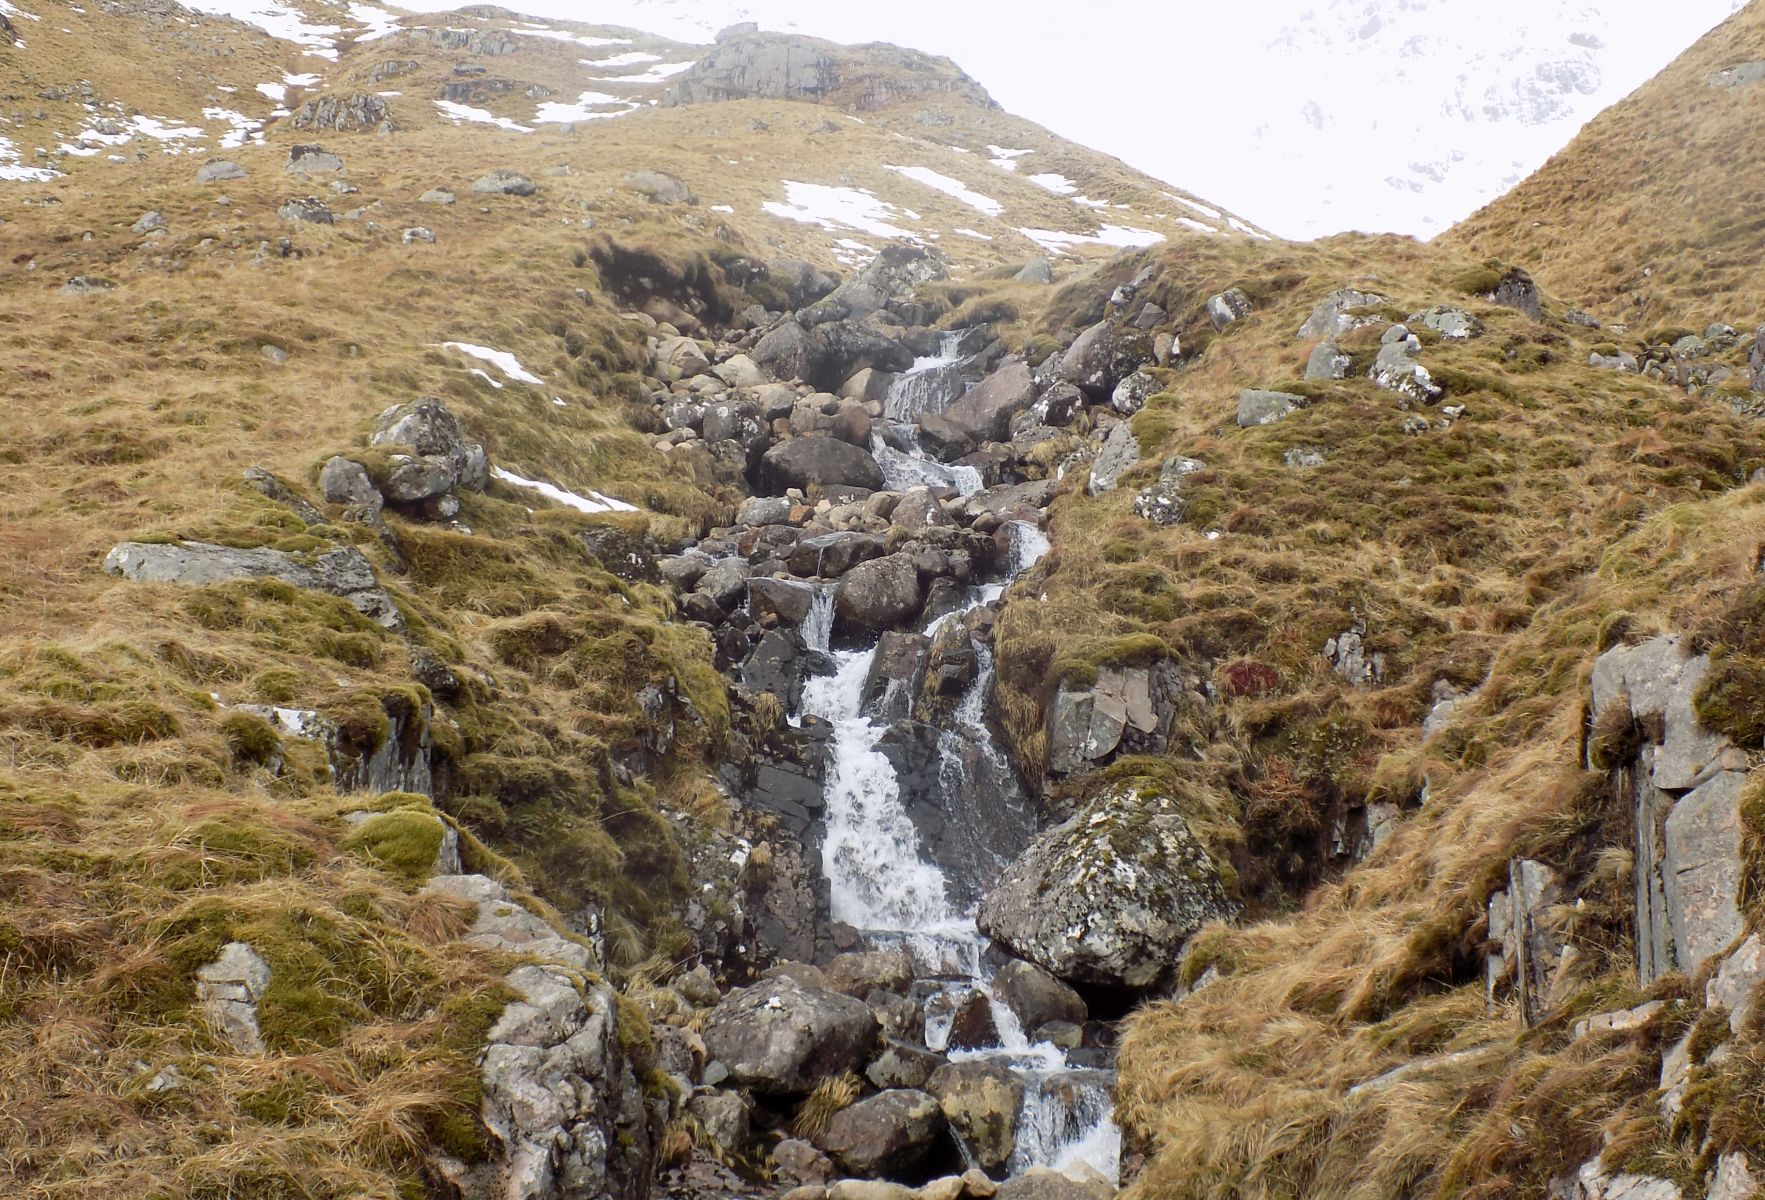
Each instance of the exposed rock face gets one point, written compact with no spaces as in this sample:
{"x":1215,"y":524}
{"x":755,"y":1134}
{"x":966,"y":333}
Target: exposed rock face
{"x":1229,"y":306}
{"x":1036,"y":997}
{"x":399,"y":763}
{"x":1102,"y":356}
{"x":344,"y":572}
{"x":981,"y":1101}
{"x":1127,"y":708}
{"x":1162,"y":502}
{"x":442,"y":458}
{"x":1397,"y":369}
{"x":342,"y":114}
{"x":502,"y":924}
{"x":889,"y":1134}
{"x":878,"y":594}
{"x":749,"y":64}
{"x":893,"y":273}
{"x":779,"y":1037}
{"x":1756,"y":360}
{"x":818,"y":462}
{"x":1110,"y":896}
{"x":228,"y":989}
{"x":1530,"y":951}
{"x":1686,"y":795}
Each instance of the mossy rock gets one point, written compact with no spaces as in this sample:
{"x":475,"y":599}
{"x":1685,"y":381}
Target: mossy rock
{"x":405,"y":843}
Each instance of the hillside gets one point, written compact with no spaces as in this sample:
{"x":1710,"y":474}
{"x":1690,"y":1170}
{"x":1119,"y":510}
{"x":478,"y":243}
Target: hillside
{"x":1647,"y":215}
{"x":741,"y":622}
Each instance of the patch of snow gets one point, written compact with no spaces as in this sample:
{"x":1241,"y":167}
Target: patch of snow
{"x":660,"y":73}
{"x":1087,"y":202}
{"x":502,"y":360}
{"x":985,"y":205}
{"x":722,"y":208}
{"x":1212,"y":214}
{"x":840,"y":208}
{"x":970,"y":233}
{"x":485,"y":376}
{"x":1006,"y":158}
{"x":630,"y":58}
{"x":558,"y":35}
{"x":1123,"y":236}
{"x":464,"y":112}
{"x":12,"y":10}
{"x":1197,"y":226}
{"x":556,"y":112}
{"x":1060,"y":185}
{"x":1241,"y":227}
{"x":240,"y":127}
{"x":376,"y":22}
{"x":293,"y":80}
{"x":160,"y":129}
{"x":13,"y":170}
{"x":594,"y":502}
{"x":277,"y":20}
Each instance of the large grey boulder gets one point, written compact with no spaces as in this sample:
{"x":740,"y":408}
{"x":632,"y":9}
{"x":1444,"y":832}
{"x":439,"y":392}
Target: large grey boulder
{"x":219,"y":170}
{"x":309,"y":209}
{"x":229,"y":990}
{"x":841,"y":349}
{"x":1163,"y":502}
{"x":889,"y":1134}
{"x":879,"y":594}
{"x":779,"y":1037}
{"x":1088,"y":723}
{"x":1257,"y":407}
{"x":803,"y":283}
{"x":442,"y":457}
{"x":1228,"y":307}
{"x":1037,"y":270}
{"x":1516,"y":290}
{"x":504,"y":183}
{"x":1327,"y":362}
{"x":1453,"y":324}
{"x":984,"y":412}
{"x":785,"y":351}
{"x":659,"y":187}
{"x":890,"y":275}
{"x":1035,"y":997}
{"x":1331,"y":319}
{"x":982,"y":1101}
{"x":1110,"y":896}
{"x":818,"y":462}
{"x":1120,"y":452}
{"x":1043,"y":1183}
{"x":1102,"y":357}
{"x":342,"y":572}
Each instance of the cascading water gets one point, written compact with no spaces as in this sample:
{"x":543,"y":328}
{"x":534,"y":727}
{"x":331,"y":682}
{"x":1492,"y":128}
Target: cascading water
{"x":926,"y":387}
{"x":883,"y":886}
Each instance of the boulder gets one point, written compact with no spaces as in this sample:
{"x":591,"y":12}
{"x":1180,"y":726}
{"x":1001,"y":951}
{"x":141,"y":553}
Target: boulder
{"x":818,"y":462}
{"x":724,"y":1118}
{"x":1397,"y":369}
{"x":1110,"y":896}
{"x":1035,"y":997}
{"x":219,"y":170}
{"x":659,"y":187}
{"x":1228,"y":307}
{"x":1131,"y":394}
{"x":779,"y":1037}
{"x":148,"y":222}
{"x":893,"y":273}
{"x":684,"y":355}
{"x":888,"y":697}
{"x":1037,"y":270}
{"x":1453,"y":324}
{"x":1256,"y":407}
{"x":504,"y":183}
{"x":343,"y":572}
{"x":344,"y":481}
{"x":438,"y":195}
{"x":1516,"y":290}
{"x":802,"y":282}
{"x":442,"y":457}
{"x":309,"y":209}
{"x":1163,"y":503}
{"x":838,"y":350}
{"x":831,"y":555}
{"x":1331,"y":319}
{"x":1703,"y":865}
{"x":901,"y":1065}
{"x":889,"y":1134}
{"x":740,"y":371}
{"x":1041,"y":1183}
{"x":1101,"y":356}
{"x":312,"y":160}
{"x":984,"y":412}
{"x":785,"y":352}
{"x":859,"y":974}
{"x":1327,"y":362}
{"x":1621,"y":361}
{"x":878,"y":594}
{"x":822,"y":413}
{"x":981,"y":1100}
{"x":1120,"y":452}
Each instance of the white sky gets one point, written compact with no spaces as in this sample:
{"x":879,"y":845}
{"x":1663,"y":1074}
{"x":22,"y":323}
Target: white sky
{"x":1306,"y":116}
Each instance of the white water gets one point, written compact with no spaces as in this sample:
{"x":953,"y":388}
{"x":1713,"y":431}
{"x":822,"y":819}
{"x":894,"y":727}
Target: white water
{"x":928,"y":386}
{"x":881,"y":884}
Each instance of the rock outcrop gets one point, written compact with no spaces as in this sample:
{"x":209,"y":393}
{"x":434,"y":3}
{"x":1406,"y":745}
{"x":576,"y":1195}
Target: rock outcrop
{"x":343,"y":572}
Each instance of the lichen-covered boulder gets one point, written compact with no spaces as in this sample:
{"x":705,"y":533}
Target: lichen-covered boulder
{"x":780,"y":1037}
{"x":981,"y":1100}
{"x":1110,"y":896}
{"x":889,"y":1134}
{"x":344,"y":572}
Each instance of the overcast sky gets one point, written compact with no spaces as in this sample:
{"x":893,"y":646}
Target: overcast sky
{"x":1306,"y":116}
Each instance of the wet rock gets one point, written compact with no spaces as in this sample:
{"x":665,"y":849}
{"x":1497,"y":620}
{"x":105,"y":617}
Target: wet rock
{"x":1041,"y":1183}
{"x":831,"y":555}
{"x":1110,"y":896}
{"x":972,"y":1023}
{"x":859,"y":974}
{"x":779,"y":601}
{"x":984,"y":413}
{"x":504,"y":182}
{"x":818,"y":462}
{"x":1035,"y":997}
{"x":889,"y":1134}
{"x":1257,"y":407}
{"x":838,"y":350}
{"x":779,"y":1037}
{"x":343,"y":572}
{"x":1229,"y":306}
{"x":777,"y":665}
{"x":229,"y":990}
{"x":878,"y":594}
{"x":901,"y":1065}
{"x":981,"y":1100}
{"x":1331,"y":318}
{"x":890,"y":687}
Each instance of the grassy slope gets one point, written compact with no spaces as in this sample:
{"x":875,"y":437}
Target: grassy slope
{"x":1651,"y":215}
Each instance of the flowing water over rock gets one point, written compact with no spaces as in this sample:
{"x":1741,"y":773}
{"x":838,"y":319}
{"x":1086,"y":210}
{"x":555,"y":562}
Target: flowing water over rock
{"x":927,"y":387}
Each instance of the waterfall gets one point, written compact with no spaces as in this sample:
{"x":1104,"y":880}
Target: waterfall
{"x":928,"y":386}
{"x":817,"y":628}
{"x":882,"y":884}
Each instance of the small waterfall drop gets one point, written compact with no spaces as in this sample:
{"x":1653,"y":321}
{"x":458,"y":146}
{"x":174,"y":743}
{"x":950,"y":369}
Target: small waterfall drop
{"x":928,"y":386}
{"x":883,"y":885}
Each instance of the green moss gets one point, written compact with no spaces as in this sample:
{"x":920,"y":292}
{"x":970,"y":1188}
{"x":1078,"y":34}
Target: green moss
{"x":1731,"y":699}
{"x":1481,"y":280}
{"x":251,"y":738}
{"x":276,"y":685}
{"x":405,"y":843}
